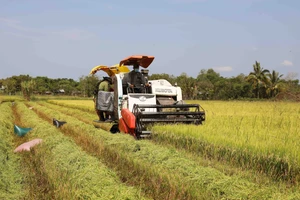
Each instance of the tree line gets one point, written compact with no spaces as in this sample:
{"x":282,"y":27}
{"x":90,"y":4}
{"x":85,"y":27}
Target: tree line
{"x":260,"y":83}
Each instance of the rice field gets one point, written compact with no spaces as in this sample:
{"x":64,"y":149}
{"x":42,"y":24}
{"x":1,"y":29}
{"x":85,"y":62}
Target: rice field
{"x":244,"y":150}
{"x":260,"y":135}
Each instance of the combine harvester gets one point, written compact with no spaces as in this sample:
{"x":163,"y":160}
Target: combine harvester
{"x":160,"y":102}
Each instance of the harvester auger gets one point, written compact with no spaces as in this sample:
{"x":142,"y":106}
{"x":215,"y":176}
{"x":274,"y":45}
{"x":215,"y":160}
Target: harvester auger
{"x":158,"y":101}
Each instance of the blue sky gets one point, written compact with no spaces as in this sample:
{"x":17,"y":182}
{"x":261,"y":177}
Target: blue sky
{"x":67,"y":38}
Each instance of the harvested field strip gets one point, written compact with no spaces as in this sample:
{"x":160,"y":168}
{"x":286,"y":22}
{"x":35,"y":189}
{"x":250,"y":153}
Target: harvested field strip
{"x":141,"y":162}
{"x":83,"y":105}
{"x":71,"y":172}
{"x":35,"y":179}
{"x":11,"y":185}
{"x":77,"y":112}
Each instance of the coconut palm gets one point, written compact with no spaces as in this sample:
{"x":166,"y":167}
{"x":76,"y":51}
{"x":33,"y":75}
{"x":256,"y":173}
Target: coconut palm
{"x":274,"y":83}
{"x":258,"y":77}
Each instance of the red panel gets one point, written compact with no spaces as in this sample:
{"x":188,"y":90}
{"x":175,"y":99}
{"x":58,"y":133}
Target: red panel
{"x":128,"y":117}
{"x":122,"y":126}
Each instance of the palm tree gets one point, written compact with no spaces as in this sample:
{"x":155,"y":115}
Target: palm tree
{"x":27,"y":88}
{"x":258,"y":77}
{"x":274,"y":82}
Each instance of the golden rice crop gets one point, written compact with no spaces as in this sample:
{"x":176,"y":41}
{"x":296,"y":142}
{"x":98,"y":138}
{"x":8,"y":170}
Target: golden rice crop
{"x":264,"y":135}
{"x":261,"y":135}
{"x":85,"y":105}
{"x":180,"y":170}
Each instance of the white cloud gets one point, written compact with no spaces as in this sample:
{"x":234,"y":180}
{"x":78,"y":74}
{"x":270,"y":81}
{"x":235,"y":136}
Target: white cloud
{"x":287,"y":63}
{"x":223,"y":69}
{"x":16,"y":28}
{"x":74,"y":34}
{"x":22,"y":35}
{"x":8,"y":21}
{"x":16,"y":25}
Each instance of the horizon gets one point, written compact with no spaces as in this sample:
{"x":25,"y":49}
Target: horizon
{"x":67,"y":39}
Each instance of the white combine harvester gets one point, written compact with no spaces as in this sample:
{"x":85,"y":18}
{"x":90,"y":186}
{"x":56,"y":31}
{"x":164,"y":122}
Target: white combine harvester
{"x":160,"y":102}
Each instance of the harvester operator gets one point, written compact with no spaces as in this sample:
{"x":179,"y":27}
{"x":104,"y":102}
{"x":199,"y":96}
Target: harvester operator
{"x":136,"y":80}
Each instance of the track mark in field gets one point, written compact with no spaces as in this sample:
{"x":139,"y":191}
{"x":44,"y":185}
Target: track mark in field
{"x":32,"y":167}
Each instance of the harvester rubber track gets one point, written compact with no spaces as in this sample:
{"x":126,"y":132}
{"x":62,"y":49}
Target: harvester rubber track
{"x":180,"y":113}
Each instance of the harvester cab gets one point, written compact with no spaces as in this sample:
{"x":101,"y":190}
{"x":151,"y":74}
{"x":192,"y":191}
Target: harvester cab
{"x":157,"y":101}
